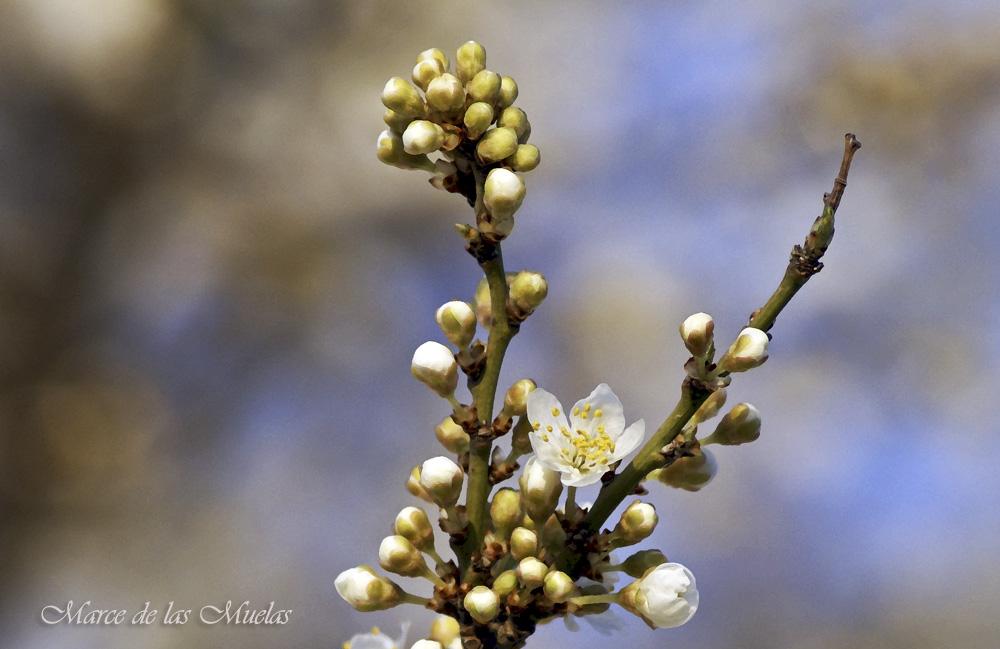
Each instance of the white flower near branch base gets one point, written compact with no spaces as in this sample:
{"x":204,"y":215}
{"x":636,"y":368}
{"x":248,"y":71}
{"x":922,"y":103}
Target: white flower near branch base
{"x":582,"y":446}
{"x":664,"y":597}
{"x":377,"y":640}
{"x":364,"y":590}
{"x":434,"y":365}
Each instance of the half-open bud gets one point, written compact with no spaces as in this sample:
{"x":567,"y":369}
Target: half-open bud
{"x":398,"y":555}
{"x":442,"y":479}
{"x":458,"y":322}
{"x":664,"y":597}
{"x":696,"y":332}
{"x":503,"y":194}
{"x":434,"y":365}
{"x":366,"y":591}
{"x":748,"y":351}
{"x":540,"y":490}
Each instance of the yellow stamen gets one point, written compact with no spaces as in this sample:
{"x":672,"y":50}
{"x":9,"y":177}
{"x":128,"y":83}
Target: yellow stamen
{"x":548,"y":428}
{"x":545,"y":437}
{"x":576,"y":412}
{"x":536,"y":425}
{"x":598,"y":413}
{"x":586,"y":407}
{"x":555,"y":412}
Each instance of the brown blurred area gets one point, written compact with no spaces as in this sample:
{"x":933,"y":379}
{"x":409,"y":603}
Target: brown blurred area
{"x":210,"y":290}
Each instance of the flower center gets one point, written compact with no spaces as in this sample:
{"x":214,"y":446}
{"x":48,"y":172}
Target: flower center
{"x":587,"y":450}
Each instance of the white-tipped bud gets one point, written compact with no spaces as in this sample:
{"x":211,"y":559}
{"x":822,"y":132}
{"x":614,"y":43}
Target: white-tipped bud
{"x":505,"y":583}
{"x":515,"y":402}
{"x":399,"y":96}
{"x":741,"y":425}
{"x":477,"y":119}
{"x":664,"y":597}
{"x":515,"y":119}
{"x":444,"y":629}
{"x":748,"y":351}
{"x":366,"y":591}
{"x":485,"y":86}
{"x":482,"y":604}
{"x":425,"y":71}
{"x":696,"y":332}
{"x":392,"y":151}
{"x":526,"y":158}
{"x":469,"y":60}
{"x":427,"y":644}
{"x":523,"y":543}
{"x":639,"y":563}
{"x":413,"y":525}
{"x":531,"y":572}
{"x":689,"y":473}
{"x":557,"y":586}
{"x":422,"y":136}
{"x":434,"y":365}
{"x":497,"y":144}
{"x":508,"y":93}
{"x":434,"y":53}
{"x":414,"y":487}
{"x":397,"y":122}
{"x":452,"y":436}
{"x":445,"y":93}
{"x":540,"y":489}
{"x":505,"y":511}
{"x":398,"y":555}
{"x":527,"y":291}
{"x":637,"y":522}
{"x":458,"y":322}
{"x":442,"y":479}
{"x":504,"y":193}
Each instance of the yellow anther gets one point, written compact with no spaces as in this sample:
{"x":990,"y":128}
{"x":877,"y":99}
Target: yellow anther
{"x":548,"y":428}
{"x":565,"y":432}
{"x":545,"y":437}
{"x":374,"y":630}
{"x":555,"y":412}
{"x":598,"y":413}
{"x":346,"y":645}
{"x":604,"y":460}
{"x":536,"y":425}
{"x":576,"y":412}
{"x":583,"y":415}
{"x":586,"y":407}
{"x":600,"y":430}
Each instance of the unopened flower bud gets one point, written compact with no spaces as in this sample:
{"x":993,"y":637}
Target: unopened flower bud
{"x":422,"y":136}
{"x":515,"y":119}
{"x":528,"y":290}
{"x":482,"y":604}
{"x":482,"y":305}
{"x":391,"y":151}
{"x":414,"y":487}
{"x":477,"y":119}
{"x":711,"y":407}
{"x":637,"y":522}
{"x":485,"y":86}
{"x":748,"y":351}
{"x":740,"y":426}
{"x":399,"y":96}
{"x":689,"y":473}
{"x":526,"y":158}
{"x":396,"y":121}
{"x":642,"y":561}
{"x":540,"y":490}
{"x":531,"y":572}
{"x":664,"y":597}
{"x":458,"y":322}
{"x":508,"y":93}
{"x":444,"y":629}
{"x":434,"y":53}
{"x":504,"y":192}
{"x":497,"y":144}
{"x":452,"y":436}
{"x":434,"y":365}
{"x":557,"y":586}
{"x":505,"y":583}
{"x":366,"y":591}
{"x":442,"y":479}
{"x":425,"y":71}
{"x":445,"y":93}
{"x":505,"y":511}
{"x":523,"y":543}
{"x":515,"y":402}
{"x":696,"y":332}
{"x":413,"y":525}
{"x":427,"y":644}
{"x":469,"y":60}
{"x":398,"y":555}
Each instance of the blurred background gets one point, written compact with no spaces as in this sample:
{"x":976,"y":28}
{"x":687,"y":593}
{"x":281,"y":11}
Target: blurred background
{"x":210,"y":290}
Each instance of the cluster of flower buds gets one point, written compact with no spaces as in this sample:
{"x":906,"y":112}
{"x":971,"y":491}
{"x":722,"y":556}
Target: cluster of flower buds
{"x":467,"y":115}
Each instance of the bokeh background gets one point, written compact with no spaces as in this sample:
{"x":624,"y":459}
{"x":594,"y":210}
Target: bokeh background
{"x":210,"y":290}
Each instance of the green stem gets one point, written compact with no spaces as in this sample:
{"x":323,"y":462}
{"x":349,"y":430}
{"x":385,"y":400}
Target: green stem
{"x":409,"y":598}
{"x":584,"y":600}
{"x":570,"y":501}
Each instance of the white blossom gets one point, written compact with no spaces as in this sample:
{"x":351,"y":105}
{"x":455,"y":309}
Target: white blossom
{"x":664,"y":597}
{"x":377,"y":640}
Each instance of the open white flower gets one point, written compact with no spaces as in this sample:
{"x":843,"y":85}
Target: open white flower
{"x":376,"y":640}
{"x":664,"y":597}
{"x":581,"y":447}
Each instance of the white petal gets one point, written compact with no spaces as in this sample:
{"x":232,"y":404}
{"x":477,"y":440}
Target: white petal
{"x":574,"y":478}
{"x":629,"y":440}
{"x":544,"y":409}
{"x":548,"y":452}
{"x":612,"y":414}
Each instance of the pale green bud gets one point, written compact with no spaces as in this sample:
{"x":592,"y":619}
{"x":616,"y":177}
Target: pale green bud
{"x":396,"y":121}
{"x":469,"y":60}
{"x":458,"y":322}
{"x":515,"y":402}
{"x":505,"y":511}
{"x":398,"y":555}
{"x":514,"y":118}
{"x":503,"y":194}
{"x":482,"y":604}
{"x":434,"y":53}
{"x":505,"y":583}
{"x":711,"y":407}
{"x":446,"y":94}
{"x":413,"y":525}
{"x":444,"y":629}
{"x":696,"y":332}
{"x":526,"y":158}
{"x":557,"y":586}
{"x":485,"y":86}
{"x":422,"y":136}
{"x":527,"y":291}
{"x":414,"y":487}
{"x":637,"y":522}
{"x":531,"y":572}
{"x":748,"y":351}
{"x":442,"y":479}
{"x":637,"y":565}
{"x":427,"y":70}
{"x":740,"y":426}
{"x":366,"y":591}
{"x":523,"y":543}
{"x":540,"y":489}
{"x":481,"y":304}
{"x":434,"y":365}
{"x":508,"y":93}
{"x":399,"y":96}
{"x":452,"y":436}
{"x":392,"y":152}
{"x":689,"y":473}
{"x":478,"y":117}
{"x":497,"y":144}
